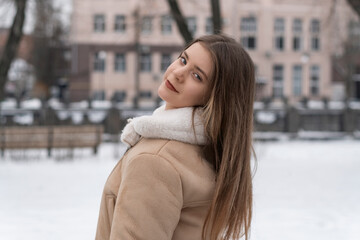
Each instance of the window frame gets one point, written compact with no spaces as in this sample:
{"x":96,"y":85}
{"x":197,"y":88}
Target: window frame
{"x":99,"y":23}
{"x":120,"y":23}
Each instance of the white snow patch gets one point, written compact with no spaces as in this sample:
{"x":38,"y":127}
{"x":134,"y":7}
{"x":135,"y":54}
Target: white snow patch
{"x":312,"y":104}
{"x":79,"y":105}
{"x":336,"y":105}
{"x":54,"y":103}
{"x":303,"y":190}
{"x":31,"y":104}
{"x":24,"y":118}
{"x":101,"y":104}
{"x":63,"y":114}
{"x":96,"y":116}
{"x":77,"y":117}
{"x":9,"y":103}
{"x":354,"y":105}
{"x":259,"y":105}
{"x":265,"y":117}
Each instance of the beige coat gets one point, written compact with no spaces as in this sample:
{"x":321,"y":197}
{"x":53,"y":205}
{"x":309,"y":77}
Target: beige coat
{"x":161,"y":189}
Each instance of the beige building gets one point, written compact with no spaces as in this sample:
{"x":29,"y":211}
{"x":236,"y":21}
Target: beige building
{"x":121,"y":47}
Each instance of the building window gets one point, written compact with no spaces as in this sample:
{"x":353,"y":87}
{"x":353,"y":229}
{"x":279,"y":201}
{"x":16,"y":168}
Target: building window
{"x":315,"y":43}
{"x":120,"y":62}
{"x":297,"y":34}
{"x":146,"y":24}
{"x":99,"y":61}
{"x":191,"y":23}
{"x":145,"y":62}
{"x":120,"y":24}
{"x":279,"y":43}
{"x":315,"y":26}
{"x":249,"y":42}
{"x":99,"y":23}
{"x":278,"y":80}
{"x":166,"y":25}
{"x":354,"y":33}
{"x":297,"y":80}
{"x":248,"y":24}
{"x":279,"y":30}
{"x":297,"y":26}
{"x":165,"y":62}
{"x":119,"y":96}
{"x":98,"y":95}
{"x":314,"y":80}
{"x":248,"y":32}
{"x":315,"y":32}
{"x":296,"y":43}
{"x":209,"y":29}
{"x":145,"y":94}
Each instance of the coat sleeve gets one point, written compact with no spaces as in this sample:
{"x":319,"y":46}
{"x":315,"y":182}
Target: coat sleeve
{"x":149,"y":200}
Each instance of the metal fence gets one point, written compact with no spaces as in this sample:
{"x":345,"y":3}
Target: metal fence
{"x":332,"y":119}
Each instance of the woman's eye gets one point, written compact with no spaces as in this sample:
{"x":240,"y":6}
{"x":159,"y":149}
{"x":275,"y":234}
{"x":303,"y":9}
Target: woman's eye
{"x":183,"y":60}
{"x":197,"y":76}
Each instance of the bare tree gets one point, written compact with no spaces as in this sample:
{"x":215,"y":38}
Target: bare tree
{"x":48,"y":33}
{"x":180,"y":21}
{"x":12,"y":43}
{"x":182,"y":25}
{"x":216,"y":16}
{"x":355,"y":4}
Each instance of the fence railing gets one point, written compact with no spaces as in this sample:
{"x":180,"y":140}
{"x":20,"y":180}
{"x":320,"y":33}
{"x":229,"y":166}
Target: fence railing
{"x":331,"y":118}
{"x":50,"y":137}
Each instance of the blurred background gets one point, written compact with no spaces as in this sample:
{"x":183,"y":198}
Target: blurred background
{"x":73,"y":71}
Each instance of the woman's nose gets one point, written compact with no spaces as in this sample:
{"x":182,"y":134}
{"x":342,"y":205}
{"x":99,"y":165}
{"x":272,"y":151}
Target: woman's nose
{"x":180,"y":73}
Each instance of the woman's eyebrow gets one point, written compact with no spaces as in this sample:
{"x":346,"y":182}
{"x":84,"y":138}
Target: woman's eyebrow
{"x":197,"y":67}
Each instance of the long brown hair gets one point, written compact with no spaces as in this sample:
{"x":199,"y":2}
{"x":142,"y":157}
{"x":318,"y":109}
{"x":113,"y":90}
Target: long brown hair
{"x":228,"y":117}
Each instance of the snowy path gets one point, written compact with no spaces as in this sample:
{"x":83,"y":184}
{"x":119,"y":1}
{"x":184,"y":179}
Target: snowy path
{"x":302,"y":190}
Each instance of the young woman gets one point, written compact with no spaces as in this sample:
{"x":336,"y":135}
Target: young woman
{"x":187,"y":173}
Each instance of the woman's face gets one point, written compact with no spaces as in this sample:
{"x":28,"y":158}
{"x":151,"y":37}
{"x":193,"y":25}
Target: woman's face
{"x":186,"y":80}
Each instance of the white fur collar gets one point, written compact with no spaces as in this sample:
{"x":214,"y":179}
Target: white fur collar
{"x":173,"y":124}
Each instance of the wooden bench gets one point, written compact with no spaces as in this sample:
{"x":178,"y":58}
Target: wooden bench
{"x":50,"y":137}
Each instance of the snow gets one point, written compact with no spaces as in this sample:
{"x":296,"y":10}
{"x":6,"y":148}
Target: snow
{"x":101,"y":104}
{"x":77,"y":117}
{"x":24,"y":118}
{"x":336,"y":105}
{"x":307,"y":190}
{"x":96,"y":116}
{"x":63,"y":115}
{"x":259,"y":105}
{"x":265,"y":117}
{"x":31,"y":104}
{"x":302,"y":190}
{"x":312,"y":104}
{"x":80,"y":105}
{"x":9,"y":103}
{"x":354,"y":105}
{"x":320,"y":135}
{"x":54,"y":103}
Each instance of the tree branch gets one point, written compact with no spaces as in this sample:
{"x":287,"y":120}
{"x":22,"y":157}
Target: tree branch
{"x":216,"y":16}
{"x":355,"y":4}
{"x":12,"y":43}
{"x":180,"y":21}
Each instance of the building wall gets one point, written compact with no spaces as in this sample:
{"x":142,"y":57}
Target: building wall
{"x":156,"y":43}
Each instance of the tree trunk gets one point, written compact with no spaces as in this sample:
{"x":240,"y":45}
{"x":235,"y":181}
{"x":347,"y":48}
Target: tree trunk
{"x":355,"y":4}
{"x":180,"y":21}
{"x":216,"y":16}
{"x":12,"y":43}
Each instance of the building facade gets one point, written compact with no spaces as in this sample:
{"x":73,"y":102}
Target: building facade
{"x":121,"y":48}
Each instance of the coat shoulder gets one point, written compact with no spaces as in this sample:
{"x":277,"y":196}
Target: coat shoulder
{"x":197,"y":175}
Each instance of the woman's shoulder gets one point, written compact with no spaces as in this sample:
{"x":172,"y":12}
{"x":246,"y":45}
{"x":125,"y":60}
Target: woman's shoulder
{"x":185,"y":161}
{"x":184,"y":157}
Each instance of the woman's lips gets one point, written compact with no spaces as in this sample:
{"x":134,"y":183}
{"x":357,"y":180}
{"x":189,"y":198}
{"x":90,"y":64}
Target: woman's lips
{"x":170,"y":86}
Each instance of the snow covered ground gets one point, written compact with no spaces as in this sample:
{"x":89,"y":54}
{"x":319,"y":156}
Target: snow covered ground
{"x":302,"y":190}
